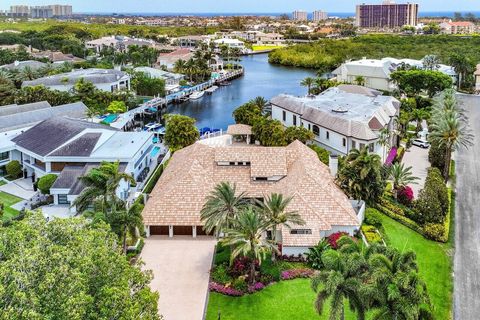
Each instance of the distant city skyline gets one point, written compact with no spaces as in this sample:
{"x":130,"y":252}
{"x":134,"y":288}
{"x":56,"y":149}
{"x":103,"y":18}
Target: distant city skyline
{"x":232,"y":6}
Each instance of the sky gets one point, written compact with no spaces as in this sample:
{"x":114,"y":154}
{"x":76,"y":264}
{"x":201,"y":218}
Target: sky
{"x":236,"y":6}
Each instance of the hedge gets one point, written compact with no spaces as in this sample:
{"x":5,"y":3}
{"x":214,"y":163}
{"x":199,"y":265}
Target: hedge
{"x":401,"y":219}
{"x":153,"y":179}
{"x":438,"y":231}
{"x":46,"y":182}
{"x":14,"y":169}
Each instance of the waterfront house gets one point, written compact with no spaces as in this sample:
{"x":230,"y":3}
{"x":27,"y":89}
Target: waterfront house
{"x":172,"y":80}
{"x":70,"y":147}
{"x":231,"y":43}
{"x":342,"y":118}
{"x":376,"y":73}
{"x":169,"y":59}
{"x":295,"y":171}
{"x":103,"y":79}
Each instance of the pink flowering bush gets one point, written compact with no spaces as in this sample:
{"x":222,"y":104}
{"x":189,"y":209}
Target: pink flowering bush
{"x":405,"y":196}
{"x":256,"y":287}
{"x":333,"y":238}
{"x":228,"y":291}
{"x":296,"y":273}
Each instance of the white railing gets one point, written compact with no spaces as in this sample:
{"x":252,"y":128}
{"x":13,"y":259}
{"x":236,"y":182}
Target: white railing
{"x":209,"y":135}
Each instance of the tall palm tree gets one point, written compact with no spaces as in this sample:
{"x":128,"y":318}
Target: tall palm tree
{"x":384,"y":141}
{"x":359,"y":80}
{"x":340,"y":280}
{"x":260,"y":102}
{"x":308,"y":82}
{"x":126,"y":220}
{"x":462,"y":66}
{"x":101,"y":185}
{"x":431,"y":62}
{"x":401,"y":176}
{"x":246,"y":238}
{"x":419,"y":115}
{"x":222,"y":207}
{"x":179,"y":66}
{"x":275,"y":211}
{"x":449,"y":128}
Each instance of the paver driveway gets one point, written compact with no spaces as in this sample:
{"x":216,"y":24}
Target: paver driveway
{"x":180,"y":267}
{"x":417,"y":158}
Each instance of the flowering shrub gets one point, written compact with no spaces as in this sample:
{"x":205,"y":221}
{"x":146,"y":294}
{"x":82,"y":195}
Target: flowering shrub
{"x":228,"y":291}
{"x":297,"y":273}
{"x":391,"y":157}
{"x":333,"y":238}
{"x":405,"y":196}
{"x":242,"y":265}
{"x":256,"y":287}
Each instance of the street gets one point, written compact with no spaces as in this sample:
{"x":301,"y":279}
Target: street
{"x":467,"y":222}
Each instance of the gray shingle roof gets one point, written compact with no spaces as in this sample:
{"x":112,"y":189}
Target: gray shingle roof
{"x":19,"y":65}
{"x":52,"y":133}
{"x":92,"y":75}
{"x":68,"y":177}
{"x":15,"y":108}
{"x":25,"y":118}
{"x":78,"y":185}
{"x":80,"y":147}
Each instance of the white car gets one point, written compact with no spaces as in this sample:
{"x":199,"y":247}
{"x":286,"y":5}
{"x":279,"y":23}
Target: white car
{"x":421,"y":143}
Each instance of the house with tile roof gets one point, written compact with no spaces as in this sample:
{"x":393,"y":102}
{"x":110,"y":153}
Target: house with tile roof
{"x":295,"y":171}
{"x":69,"y":148}
{"x":458,"y":27}
{"x":341,"y":118}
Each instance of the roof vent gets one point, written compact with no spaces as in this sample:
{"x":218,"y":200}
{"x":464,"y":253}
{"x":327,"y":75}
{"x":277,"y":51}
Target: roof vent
{"x":340,"y":110}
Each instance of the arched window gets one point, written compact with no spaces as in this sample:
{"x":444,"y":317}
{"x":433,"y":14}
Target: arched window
{"x":316,"y":130}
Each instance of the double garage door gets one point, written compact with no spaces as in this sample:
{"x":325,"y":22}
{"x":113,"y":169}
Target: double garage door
{"x":177,"y":230}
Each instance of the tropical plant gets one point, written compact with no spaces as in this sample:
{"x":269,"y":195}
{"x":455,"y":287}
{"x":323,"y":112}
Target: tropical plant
{"x":384,"y":140}
{"x":449,"y":127}
{"x":46,"y":182}
{"x":14,"y":169}
{"x":401,"y":176}
{"x":246,"y":237}
{"x":301,"y":134}
{"x":359,"y":80}
{"x":126,"y":220}
{"x":340,"y":280}
{"x":101,"y":186}
{"x":314,"y":254}
{"x":308,"y":82}
{"x":431,"y":62}
{"x":222,"y":207}
{"x":274,"y":208}
{"x":117,"y":107}
{"x":361,"y":176}
{"x":419,"y":115}
{"x":180,"y":131}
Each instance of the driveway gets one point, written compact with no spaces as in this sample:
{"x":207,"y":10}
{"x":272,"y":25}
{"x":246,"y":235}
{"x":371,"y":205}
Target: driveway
{"x":417,"y":158}
{"x":21,"y":188}
{"x":467,"y":222}
{"x":180,"y":268}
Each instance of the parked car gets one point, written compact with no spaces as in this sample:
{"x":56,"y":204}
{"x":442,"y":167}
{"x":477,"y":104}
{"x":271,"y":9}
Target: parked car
{"x":421,"y":143}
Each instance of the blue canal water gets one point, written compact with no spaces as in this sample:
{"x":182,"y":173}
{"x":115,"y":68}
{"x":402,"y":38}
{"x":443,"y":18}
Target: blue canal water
{"x":260,"y":79}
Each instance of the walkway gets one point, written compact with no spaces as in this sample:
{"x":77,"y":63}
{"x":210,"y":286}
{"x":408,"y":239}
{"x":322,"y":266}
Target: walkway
{"x":181,"y":268}
{"x":21,"y":188}
{"x":467,"y":222}
{"x":417,"y":158}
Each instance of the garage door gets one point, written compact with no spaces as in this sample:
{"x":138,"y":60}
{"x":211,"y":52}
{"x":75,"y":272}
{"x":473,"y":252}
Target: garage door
{"x":201,"y":232}
{"x":159,"y":230}
{"x":182,"y":230}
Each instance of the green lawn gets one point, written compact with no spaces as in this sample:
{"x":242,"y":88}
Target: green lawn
{"x":7,"y":201}
{"x":266,"y":47}
{"x":2,"y":182}
{"x":284,"y":300}
{"x":434,"y":263}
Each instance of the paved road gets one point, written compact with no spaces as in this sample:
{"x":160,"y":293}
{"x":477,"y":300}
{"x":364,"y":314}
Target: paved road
{"x":180,"y":274}
{"x":467,"y":222}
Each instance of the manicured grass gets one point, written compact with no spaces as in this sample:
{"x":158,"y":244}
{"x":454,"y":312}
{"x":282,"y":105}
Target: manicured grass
{"x":8,"y":200}
{"x":261,"y":48}
{"x":284,"y":300}
{"x":434,"y":262}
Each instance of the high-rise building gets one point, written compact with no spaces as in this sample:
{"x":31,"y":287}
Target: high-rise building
{"x":61,"y":10}
{"x":300,"y":15}
{"x":41,"y":12}
{"x":319,"y":15}
{"x":386,"y":15}
{"x":19,"y":11}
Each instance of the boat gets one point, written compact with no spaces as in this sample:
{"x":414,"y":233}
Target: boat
{"x":153,"y":126}
{"x":225,"y":83}
{"x":211,"y":90}
{"x":197,"y":95}
{"x":183,"y":99}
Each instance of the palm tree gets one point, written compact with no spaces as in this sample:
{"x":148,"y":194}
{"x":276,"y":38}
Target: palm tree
{"x":308,"y":82}
{"x":449,"y":128}
{"x":27,"y":73}
{"x":275,"y":211}
{"x":359,"y":80}
{"x":431,"y":62}
{"x":419,"y":115}
{"x":246,"y":238}
{"x":340,"y":280}
{"x":260,"y":102}
{"x":398,"y":292}
{"x":101,"y":185}
{"x":127,"y":220}
{"x":179,"y":66}
{"x":401,"y":176}
{"x":221,"y":208}
{"x":462,"y":66}
{"x":384,"y":141}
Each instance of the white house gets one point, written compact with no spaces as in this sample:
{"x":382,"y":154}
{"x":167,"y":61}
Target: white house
{"x":104,"y":79}
{"x":342,"y":118}
{"x":119,"y":43}
{"x":376,"y":73}
{"x":231,"y":43}
{"x":70,"y":147}
{"x":172,"y":80}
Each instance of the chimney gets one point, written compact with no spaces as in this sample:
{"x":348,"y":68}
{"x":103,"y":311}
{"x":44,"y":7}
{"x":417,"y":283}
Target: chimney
{"x":333,"y":164}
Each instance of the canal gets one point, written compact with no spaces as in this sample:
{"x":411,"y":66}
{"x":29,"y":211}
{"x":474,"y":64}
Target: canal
{"x":261,"y":79}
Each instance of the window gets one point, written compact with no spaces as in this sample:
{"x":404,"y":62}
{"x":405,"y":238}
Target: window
{"x":354,"y":144}
{"x":284,"y":116}
{"x":4,"y":155}
{"x":327,"y":135}
{"x":344,"y":142}
{"x":260,"y":179}
{"x":316,"y":130}
{"x":309,"y":127}
{"x":62,"y":199}
{"x":294,"y":120}
{"x":371,"y":147}
{"x":362,"y":145}
{"x":301,"y":231}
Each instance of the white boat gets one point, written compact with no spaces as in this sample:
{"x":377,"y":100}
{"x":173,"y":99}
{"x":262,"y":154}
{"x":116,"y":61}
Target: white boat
{"x":197,"y":95}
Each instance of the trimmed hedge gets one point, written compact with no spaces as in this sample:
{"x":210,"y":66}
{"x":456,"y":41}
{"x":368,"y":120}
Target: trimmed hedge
{"x":154,"y":179}
{"x":46,"y":182}
{"x":401,"y":219}
{"x":14,"y":169}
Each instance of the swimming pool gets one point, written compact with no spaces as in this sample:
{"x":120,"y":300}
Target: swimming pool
{"x":154,"y":151}
{"x":110,"y":118}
